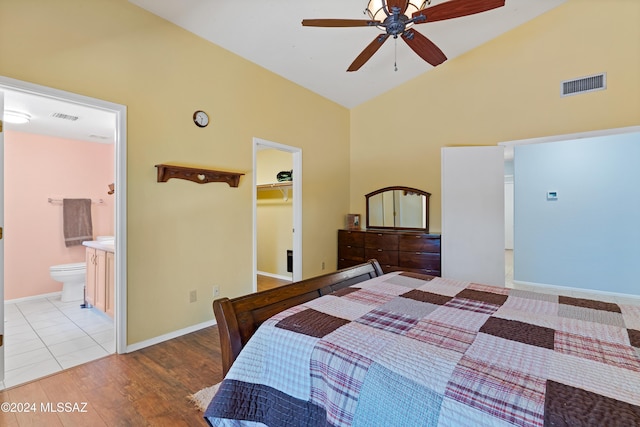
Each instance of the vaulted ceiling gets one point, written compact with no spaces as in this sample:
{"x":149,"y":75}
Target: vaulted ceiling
{"x":270,"y":34}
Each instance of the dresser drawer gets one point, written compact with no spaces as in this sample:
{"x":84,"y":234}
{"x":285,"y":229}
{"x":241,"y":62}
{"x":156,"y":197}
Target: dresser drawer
{"x":417,"y":252}
{"x":419,"y":260}
{"x":355,"y":253}
{"x":425,"y":271}
{"x":419,"y":243}
{"x":381,"y":241}
{"x":351,"y":238}
{"x":383,"y":256}
{"x":345,"y":263}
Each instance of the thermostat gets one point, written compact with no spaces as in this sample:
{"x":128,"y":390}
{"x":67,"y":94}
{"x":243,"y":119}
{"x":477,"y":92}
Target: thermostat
{"x":552,"y":195}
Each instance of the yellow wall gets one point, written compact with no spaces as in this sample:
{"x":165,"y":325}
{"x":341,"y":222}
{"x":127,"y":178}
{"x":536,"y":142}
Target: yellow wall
{"x":183,"y":236}
{"x":507,"y":89}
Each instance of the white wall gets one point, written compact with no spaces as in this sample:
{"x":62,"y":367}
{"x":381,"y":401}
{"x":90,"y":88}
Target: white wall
{"x":590,"y":236}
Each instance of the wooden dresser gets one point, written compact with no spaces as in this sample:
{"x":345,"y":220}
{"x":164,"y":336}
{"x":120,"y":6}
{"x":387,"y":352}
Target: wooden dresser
{"x":395,"y":250}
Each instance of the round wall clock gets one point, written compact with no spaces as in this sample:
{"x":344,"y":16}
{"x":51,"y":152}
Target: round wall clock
{"x":200,"y":118}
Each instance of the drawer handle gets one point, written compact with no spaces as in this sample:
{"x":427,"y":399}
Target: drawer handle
{"x":379,"y":250}
{"x":349,"y":246}
{"x":380,"y":235}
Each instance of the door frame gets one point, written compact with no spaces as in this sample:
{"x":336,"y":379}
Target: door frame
{"x":120,"y":112}
{"x":261,"y":144}
{"x":2,"y":331}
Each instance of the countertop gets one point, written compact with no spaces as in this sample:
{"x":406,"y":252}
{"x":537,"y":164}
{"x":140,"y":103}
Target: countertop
{"x":108,"y":246}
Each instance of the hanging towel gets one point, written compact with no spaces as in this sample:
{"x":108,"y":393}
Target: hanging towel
{"x":76,"y":218}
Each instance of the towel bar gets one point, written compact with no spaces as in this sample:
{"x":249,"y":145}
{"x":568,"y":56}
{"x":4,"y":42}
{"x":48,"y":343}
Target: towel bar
{"x":97,"y":202}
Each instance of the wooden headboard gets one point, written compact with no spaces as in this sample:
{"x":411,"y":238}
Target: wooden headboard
{"x":238,"y":318}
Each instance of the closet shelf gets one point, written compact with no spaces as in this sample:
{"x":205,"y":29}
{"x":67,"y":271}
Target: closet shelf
{"x":199,"y":175}
{"x":283,"y":186}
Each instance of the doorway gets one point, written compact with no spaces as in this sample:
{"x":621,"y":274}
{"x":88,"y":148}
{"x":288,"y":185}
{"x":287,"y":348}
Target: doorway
{"x":287,"y":262}
{"x":117,"y":113}
{"x":528,"y":253}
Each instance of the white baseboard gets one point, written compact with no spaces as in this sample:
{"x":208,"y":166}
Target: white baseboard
{"x":35,"y":297}
{"x":169,"y":336}
{"x":569,"y":291}
{"x":275,"y":276}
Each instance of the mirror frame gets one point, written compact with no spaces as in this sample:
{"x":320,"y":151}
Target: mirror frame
{"x":406,"y":189}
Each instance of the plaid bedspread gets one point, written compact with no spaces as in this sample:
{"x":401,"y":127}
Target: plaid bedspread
{"x":410,"y":350}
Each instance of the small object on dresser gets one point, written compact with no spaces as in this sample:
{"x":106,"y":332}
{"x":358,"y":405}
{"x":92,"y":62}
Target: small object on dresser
{"x":353,"y":221}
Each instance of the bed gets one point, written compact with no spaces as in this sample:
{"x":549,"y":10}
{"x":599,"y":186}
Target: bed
{"x":363,"y":348}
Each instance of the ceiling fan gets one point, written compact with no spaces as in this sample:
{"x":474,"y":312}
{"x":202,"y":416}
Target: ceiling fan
{"x":396,"y":23}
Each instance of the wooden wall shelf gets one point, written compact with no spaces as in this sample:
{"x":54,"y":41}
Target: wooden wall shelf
{"x":199,"y":175}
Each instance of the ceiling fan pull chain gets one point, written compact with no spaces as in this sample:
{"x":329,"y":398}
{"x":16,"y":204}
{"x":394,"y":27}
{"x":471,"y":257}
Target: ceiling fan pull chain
{"x":395,"y":55}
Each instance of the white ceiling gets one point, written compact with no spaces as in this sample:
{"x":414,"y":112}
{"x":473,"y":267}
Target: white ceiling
{"x":92,"y":125}
{"x":270,"y":34}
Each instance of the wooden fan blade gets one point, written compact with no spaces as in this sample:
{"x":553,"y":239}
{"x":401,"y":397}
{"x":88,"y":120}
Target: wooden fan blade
{"x":339,"y":23}
{"x":368,"y":52}
{"x":456,"y":9}
{"x":424,"y":47}
{"x":402,"y":5}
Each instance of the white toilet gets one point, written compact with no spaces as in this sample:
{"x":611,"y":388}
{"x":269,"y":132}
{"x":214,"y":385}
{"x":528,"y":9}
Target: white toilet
{"x":72,"y":277}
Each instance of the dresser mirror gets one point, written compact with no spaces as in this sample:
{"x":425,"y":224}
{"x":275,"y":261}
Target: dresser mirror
{"x":398,"y":208}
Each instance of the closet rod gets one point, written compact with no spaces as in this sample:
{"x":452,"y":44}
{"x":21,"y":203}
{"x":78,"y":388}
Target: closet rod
{"x":97,"y":202}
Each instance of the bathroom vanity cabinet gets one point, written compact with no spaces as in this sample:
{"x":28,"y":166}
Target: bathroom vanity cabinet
{"x":109,"y":284}
{"x":100,"y":283}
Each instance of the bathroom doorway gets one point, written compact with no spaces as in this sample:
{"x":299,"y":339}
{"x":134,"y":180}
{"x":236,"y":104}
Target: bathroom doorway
{"x":28,"y":93}
{"x":283,"y":202}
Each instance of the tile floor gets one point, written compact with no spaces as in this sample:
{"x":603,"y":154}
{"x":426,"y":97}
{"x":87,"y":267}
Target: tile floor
{"x":45,"y":335}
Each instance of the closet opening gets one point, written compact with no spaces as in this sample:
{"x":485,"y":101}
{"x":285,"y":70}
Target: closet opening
{"x":277,"y":232}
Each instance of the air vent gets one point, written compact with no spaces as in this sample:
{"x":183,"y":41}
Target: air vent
{"x":65,"y":116}
{"x":583,"y":84}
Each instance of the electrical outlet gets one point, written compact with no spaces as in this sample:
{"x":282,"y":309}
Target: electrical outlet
{"x":193,"y":296}
{"x":216,"y":291}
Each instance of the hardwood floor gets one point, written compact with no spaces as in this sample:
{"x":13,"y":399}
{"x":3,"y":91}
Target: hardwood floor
{"x":267,"y":282}
{"x":148,"y":387}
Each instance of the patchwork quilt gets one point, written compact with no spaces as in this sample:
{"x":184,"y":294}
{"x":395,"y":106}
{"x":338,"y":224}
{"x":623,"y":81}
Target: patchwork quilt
{"x":409,"y":350}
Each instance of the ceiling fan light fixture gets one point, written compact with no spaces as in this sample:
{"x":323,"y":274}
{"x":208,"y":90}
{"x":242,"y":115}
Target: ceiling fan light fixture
{"x":16,"y":117}
{"x":392,"y":16}
{"x":376,"y":12}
